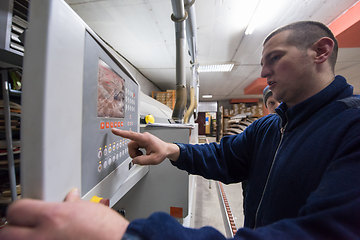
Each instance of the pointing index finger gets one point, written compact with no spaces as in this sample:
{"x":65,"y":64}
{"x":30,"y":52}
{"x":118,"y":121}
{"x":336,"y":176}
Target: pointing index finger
{"x":135,"y":136}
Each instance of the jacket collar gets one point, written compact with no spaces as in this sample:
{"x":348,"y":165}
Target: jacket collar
{"x":337,"y":89}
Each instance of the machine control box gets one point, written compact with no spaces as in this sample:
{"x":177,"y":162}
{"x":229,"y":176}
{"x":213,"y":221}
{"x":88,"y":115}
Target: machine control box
{"x":110,"y":100}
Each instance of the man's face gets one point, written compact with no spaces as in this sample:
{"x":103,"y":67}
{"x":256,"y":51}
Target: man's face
{"x":271,"y":104}
{"x":288,"y":70}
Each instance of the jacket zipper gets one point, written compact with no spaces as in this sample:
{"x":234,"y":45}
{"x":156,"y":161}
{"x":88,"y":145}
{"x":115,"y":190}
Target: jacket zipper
{"x":282,"y":130}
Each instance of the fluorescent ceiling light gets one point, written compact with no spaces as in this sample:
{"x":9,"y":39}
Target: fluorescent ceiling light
{"x":207,"y":96}
{"x":216,"y":68}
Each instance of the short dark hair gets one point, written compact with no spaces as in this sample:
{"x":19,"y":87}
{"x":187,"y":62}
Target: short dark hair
{"x":305,"y":33}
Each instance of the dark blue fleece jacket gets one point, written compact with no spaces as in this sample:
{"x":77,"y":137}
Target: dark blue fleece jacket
{"x":303,"y":170}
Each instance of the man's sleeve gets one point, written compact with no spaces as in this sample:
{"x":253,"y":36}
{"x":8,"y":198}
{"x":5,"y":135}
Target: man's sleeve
{"x":163,"y":226}
{"x":216,"y":161}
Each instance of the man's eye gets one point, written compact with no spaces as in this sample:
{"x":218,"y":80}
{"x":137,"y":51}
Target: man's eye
{"x":273,"y":59}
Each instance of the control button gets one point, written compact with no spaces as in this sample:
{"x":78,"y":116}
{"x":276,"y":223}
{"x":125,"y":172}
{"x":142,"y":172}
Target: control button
{"x":115,"y":124}
{"x":99,"y":167}
{"x":105,"y":164}
{"x":122,"y":124}
{"x":117,"y":145}
{"x":111,"y":124}
{"x":102,"y":125}
{"x":120,"y":154}
{"x":123,"y":152}
{"x":114,"y":158}
{"x":114,"y":147}
{"x":117,"y":156}
{"x":97,"y":199}
{"x":105,"y":151}
{"x":109,"y":161}
{"x":100,"y":153}
{"x":110,"y":148}
{"x":107,"y":125}
{"x":119,"y":124}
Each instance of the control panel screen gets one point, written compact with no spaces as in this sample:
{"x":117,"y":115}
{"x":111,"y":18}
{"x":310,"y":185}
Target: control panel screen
{"x":111,"y":93}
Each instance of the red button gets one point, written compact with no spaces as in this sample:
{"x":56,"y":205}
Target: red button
{"x":119,"y":124}
{"x":111,"y":124}
{"x":102,"y":125}
{"x":122,"y":124}
{"x":107,"y":125}
{"x":115,"y":124}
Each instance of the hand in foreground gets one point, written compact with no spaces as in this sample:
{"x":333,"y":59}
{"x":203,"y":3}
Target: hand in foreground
{"x":156,"y":149}
{"x":73,"y":219}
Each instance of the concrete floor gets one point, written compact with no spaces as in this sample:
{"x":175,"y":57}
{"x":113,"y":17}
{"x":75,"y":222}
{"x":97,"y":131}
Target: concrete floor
{"x":207,"y":207}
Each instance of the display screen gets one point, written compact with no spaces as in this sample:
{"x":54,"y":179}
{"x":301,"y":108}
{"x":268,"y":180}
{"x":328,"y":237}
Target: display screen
{"x":111,"y":92}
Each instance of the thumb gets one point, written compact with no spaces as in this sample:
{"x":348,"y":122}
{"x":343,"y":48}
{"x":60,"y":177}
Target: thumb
{"x":73,"y":195}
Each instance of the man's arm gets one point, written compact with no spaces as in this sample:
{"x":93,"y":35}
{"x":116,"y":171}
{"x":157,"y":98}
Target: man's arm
{"x":156,"y":149}
{"x":73,"y":219}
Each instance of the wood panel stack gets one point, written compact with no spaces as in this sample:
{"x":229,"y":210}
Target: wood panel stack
{"x":168,"y":98}
{"x":236,"y":125}
{"x":255,"y":109}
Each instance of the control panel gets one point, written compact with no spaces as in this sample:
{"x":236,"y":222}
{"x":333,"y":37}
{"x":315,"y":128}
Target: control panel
{"x":110,"y":100}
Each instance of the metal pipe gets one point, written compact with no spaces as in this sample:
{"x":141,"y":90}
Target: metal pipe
{"x":179,"y":16}
{"x":9,"y":146}
{"x":191,"y":107}
{"x":191,"y":35}
{"x":193,"y":100}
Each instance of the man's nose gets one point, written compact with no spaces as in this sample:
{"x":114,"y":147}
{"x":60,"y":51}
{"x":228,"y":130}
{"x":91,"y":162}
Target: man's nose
{"x":265,"y":72}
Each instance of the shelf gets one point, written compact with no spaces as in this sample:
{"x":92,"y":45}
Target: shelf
{"x":11,"y":57}
{"x":16,"y":143}
{"x":13,"y":114}
{"x":13,"y":23}
{"x":7,"y":200}
{"x":14,"y":93}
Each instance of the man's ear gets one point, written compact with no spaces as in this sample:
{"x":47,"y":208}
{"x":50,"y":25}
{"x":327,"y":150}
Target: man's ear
{"x":323,"y":48}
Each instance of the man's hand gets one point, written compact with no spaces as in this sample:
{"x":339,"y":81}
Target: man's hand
{"x":156,"y":149}
{"x":73,"y":219}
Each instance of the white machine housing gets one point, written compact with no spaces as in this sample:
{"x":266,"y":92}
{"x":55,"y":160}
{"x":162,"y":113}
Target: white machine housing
{"x":63,"y":138}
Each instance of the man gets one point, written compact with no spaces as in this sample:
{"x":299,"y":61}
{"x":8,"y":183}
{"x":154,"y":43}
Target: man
{"x":302,"y":165}
{"x":269,"y":101}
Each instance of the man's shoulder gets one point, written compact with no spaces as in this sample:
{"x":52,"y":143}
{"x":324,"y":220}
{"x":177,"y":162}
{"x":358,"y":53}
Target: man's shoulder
{"x":267,"y":121}
{"x":352,"y":101}
{"x":269,"y":118}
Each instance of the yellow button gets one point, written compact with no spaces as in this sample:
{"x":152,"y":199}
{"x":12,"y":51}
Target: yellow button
{"x":95,"y":199}
{"x":149,"y":118}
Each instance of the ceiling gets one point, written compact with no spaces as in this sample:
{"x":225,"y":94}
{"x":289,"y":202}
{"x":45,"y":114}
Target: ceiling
{"x":143,"y":32}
